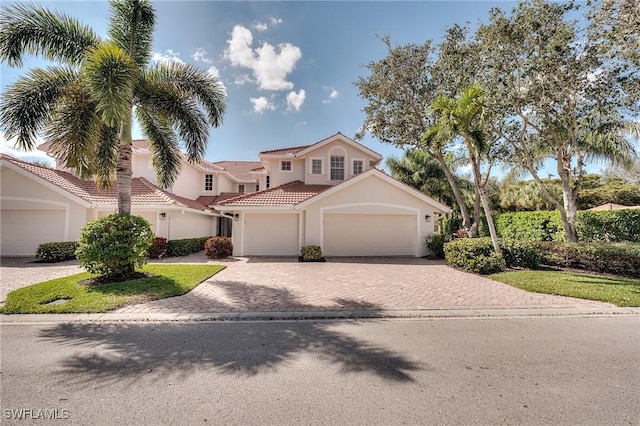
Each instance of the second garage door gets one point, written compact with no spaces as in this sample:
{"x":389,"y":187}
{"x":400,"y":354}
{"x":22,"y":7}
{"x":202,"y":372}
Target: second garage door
{"x":24,"y":230}
{"x":271,"y":235}
{"x":370,"y":235}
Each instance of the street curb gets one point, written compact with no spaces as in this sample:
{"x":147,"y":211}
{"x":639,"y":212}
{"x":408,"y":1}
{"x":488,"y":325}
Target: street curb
{"x":317,"y":315}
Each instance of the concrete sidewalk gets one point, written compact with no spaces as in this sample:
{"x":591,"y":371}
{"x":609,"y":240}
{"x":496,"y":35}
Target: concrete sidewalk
{"x":282,"y":288}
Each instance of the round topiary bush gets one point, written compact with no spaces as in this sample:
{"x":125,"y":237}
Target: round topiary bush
{"x":114,"y":245}
{"x":218,"y":248}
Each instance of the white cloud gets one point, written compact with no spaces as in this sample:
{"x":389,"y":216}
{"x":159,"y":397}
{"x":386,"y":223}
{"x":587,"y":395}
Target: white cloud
{"x":201,"y":55}
{"x":295,"y":100}
{"x":7,"y":146}
{"x":213,"y":72}
{"x":333,"y":94}
{"x":464,"y":170}
{"x":261,"y":26}
{"x":269,"y":66}
{"x":167,"y":57}
{"x":275,"y":21}
{"x":242,"y":79}
{"x":261,"y":104}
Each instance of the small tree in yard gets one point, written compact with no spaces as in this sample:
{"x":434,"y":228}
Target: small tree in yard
{"x":114,"y":245}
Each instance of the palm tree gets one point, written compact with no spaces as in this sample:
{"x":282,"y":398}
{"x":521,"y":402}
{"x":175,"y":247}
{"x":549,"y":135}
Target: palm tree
{"x":464,"y":117}
{"x":85,"y":105}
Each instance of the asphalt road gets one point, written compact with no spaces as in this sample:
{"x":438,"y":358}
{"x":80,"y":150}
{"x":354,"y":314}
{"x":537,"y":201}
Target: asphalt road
{"x":539,"y":371}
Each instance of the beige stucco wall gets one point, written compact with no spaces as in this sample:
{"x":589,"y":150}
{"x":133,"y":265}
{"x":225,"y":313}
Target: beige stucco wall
{"x":190,"y":182}
{"x":142,"y":166}
{"x":21,"y":192}
{"x":189,"y":225}
{"x":225,"y":184}
{"x":279,"y":177}
{"x":372,"y":195}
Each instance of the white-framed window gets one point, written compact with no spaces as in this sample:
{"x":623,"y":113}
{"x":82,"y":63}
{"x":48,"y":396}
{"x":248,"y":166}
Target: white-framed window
{"x":208,"y":182}
{"x":268,"y":185}
{"x":316,"y":166}
{"x":241,"y":188}
{"x":337,"y":167}
{"x":357,"y":167}
{"x":286,"y":166}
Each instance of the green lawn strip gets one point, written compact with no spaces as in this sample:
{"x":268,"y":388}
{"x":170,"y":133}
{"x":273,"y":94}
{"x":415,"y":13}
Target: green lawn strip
{"x":166,"y":281}
{"x":612,"y":289}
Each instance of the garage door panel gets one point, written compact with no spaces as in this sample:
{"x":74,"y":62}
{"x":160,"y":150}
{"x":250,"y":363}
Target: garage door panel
{"x":22,"y":231}
{"x":369,"y":235}
{"x":271,"y":235}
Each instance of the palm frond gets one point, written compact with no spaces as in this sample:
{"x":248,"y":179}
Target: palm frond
{"x":194,"y":83}
{"x":608,"y":142}
{"x":164,"y":146}
{"x":74,"y":129}
{"x":26,"y":105}
{"x":131,"y":28}
{"x":111,"y":76}
{"x":183,"y":113}
{"x":32,"y":29}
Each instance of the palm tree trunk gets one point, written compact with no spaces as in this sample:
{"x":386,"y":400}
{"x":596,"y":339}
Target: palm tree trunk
{"x":475,"y":228}
{"x":568,"y":216}
{"x":485,"y":204}
{"x":466,"y":218}
{"x":124,"y":168}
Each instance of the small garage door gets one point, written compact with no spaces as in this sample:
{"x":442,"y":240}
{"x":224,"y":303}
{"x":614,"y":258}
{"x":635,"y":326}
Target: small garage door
{"x":271,"y":235}
{"x":369,"y":235}
{"x":23,"y":230}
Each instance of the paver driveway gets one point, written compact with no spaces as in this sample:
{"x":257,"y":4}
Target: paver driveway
{"x":284,"y":285}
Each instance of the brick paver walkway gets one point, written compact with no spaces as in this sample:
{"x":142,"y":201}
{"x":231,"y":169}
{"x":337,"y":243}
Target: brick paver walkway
{"x":369,"y":284}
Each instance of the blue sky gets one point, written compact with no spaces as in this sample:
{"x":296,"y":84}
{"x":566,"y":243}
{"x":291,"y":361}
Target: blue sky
{"x":288,"y":67}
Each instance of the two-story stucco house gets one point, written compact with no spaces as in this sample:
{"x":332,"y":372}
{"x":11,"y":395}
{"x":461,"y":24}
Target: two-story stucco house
{"x":328,"y":194}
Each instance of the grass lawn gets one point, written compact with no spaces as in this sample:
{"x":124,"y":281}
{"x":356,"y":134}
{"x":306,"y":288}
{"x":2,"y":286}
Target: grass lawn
{"x":612,"y":289}
{"x":166,"y":281}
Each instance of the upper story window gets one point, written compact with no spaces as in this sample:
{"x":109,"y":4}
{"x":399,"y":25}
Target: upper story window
{"x":268,"y":185}
{"x":316,"y":166}
{"x":257,"y":187}
{"x":241,"y":188}
{"x":208,"y":182}
{"x":357,"y":166}
{"x":285,"y":166}
{"x":337,"y":167}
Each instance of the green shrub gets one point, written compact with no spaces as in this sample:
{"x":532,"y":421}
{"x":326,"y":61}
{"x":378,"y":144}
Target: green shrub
{"x":114,"y":245}
{"x":218,"y":247}
{"x":186,"y":246}
{"x":435,"y":243}
{"x":450,"y":226}
{"x":614,"y":258}
{"x":531,"y":226}
{"x":608,"y":226}
{"x":56,"y":252}
{"x":311,"y":253}
{"x":474,"y":255}
{"x":158,"y":248}
{"x":520,"y":254}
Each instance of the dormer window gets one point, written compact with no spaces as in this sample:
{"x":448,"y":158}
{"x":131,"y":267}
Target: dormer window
{"x":241,"y":188}
{"x":337,"y":167}
{"x":208,"y":182}
{"x":316,"y":166}
{"x":358,"y":165}
{"x":285,"y":166}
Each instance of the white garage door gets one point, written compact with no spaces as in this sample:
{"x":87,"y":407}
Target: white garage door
{"x":370,"y":235}
{"x":271,"y":235}
{"x":23,"y":230}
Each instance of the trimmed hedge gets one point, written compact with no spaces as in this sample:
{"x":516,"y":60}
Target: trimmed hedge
{"x":56,"y":251}
{"x":614,"y":258}
{"x":450,"y":226}
{"x":477,"y":255}
{"x":186,"y":246}
{"x":592,"y":226}
{"x":311,"y":253}
{"x":218,"y":248}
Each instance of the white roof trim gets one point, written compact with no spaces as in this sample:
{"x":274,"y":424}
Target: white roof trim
{"x":380,"y":175}
{"x":46,"y":183}
{"x":336,"y":137}
{"x":231,"y":208}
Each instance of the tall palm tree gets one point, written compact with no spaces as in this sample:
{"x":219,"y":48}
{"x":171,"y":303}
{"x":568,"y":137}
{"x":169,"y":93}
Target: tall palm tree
{"x":464,"y":117}
{"x":85,"y":105}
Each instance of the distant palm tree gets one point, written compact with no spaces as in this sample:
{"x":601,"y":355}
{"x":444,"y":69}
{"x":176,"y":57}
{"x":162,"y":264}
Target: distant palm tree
{"x":464,"y":117}
{"x":85,"y":106}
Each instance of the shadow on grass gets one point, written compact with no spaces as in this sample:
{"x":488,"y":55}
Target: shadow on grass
{"x":129,"y":352}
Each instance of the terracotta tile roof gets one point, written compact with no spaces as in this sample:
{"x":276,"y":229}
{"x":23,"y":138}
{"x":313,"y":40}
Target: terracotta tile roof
{"x":141,"y":144}
{"x":240,"y":169}
{"x":211,"y":200}
{"x":143,"y":192}
{"x":285,"y":151}
{"x":288,"y":194}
